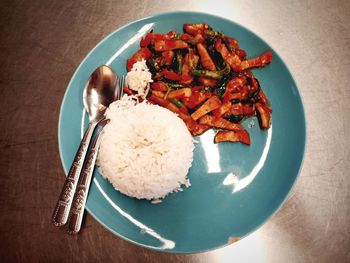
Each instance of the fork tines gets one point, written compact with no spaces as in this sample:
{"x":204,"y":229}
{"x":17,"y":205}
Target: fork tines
{"x":121,"y":87}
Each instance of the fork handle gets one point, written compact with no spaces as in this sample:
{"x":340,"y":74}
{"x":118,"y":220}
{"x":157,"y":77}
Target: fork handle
{"x":63,"y":205}
{"x":77,"y":210}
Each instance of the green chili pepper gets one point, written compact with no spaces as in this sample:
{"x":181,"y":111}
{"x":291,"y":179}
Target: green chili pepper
{"x":213,"y":74}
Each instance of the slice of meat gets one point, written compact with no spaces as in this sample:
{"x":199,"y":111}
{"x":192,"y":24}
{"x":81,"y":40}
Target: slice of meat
{"x":219,"y":122}
{"x":232,"y":136}
{"x":211,"y":104}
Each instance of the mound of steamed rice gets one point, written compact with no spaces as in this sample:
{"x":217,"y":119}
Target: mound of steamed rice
{"x":146,"y":150}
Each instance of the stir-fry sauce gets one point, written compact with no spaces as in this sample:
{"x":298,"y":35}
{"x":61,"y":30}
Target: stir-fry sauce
{"x":206,"y":78}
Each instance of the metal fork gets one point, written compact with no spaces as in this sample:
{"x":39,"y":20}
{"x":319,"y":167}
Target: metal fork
{"x":76,"y":212}
{"x":121,"y":84}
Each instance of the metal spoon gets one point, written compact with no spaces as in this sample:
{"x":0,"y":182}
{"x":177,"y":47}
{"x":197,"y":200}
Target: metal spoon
{"x":101,"y":90}
{"x":76,"y":212}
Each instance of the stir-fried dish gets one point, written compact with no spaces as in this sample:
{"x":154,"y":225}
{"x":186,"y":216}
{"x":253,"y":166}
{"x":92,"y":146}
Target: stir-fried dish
{"x":206,"y":78}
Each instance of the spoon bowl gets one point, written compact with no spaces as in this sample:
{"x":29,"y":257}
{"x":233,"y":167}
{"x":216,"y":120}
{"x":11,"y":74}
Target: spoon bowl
{"x":99,"y":92}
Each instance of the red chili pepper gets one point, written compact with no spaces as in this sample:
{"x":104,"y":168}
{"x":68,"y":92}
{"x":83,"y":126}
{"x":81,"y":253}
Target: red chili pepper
{"x":233,"y":43}
{"x":151,"y":37}
{"x":236,"y":109}
{"x":183,"y":110}
{"x":186,"y":77}
{"x":195,"y":29}
{"x":241,"y":53}
{"x":207,"y":81}
{"x":192,"y":39}
{"x":145,"y":42}
{"x":259,"y":61}
{"x":262,"y":98}
{"x":196,"y":98}
{"x":169,"y":74}
{"x":165,"y":45}
{"x":143,"y":53}
{"x":186,"y":37}
{"x":159,"y":86}
{"x":171,"y":34}
{"x":168,"y":56}
{"x":248,"y":110}
{"x":231,"y":58}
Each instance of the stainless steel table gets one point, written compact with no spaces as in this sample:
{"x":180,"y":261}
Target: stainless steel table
{"x":42,"y":43}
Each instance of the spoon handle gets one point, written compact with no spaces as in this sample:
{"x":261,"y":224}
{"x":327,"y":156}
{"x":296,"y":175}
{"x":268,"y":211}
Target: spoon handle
{"x":77,"y":210}
{"x":60,"y":214}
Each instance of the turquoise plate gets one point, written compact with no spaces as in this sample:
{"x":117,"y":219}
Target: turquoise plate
{"x":235,"y":188}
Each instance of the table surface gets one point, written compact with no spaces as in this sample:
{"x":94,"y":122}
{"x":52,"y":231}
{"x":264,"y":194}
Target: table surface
{"x":43,"y":42}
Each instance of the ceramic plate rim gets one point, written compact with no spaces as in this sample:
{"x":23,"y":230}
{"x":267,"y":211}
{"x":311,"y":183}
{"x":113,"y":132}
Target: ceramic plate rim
{"x":304,"y":145}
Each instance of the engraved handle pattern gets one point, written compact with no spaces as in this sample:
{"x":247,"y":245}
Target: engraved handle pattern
{"x":63,"y":205}
{"x":81,"y":193}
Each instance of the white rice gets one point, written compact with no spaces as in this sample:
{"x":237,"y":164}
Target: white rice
{"x":146,"y":150}
{"x":139,"y":77}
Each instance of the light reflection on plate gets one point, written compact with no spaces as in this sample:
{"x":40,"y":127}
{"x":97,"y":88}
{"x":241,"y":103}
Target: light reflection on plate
{"x":134,"y":39}
{"x":239,"y":184}
{"x":211,"y":152}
